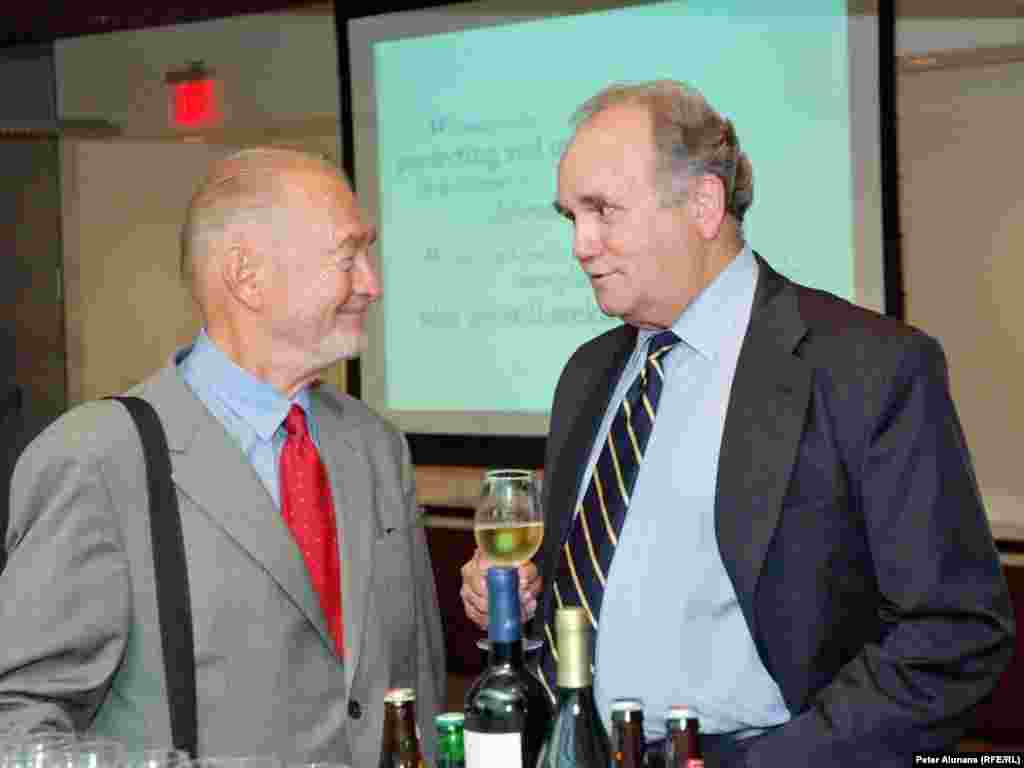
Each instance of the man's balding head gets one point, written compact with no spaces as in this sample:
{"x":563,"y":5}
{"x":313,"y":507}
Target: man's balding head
{"x":276,"y":252}
{"x":246,"y":193}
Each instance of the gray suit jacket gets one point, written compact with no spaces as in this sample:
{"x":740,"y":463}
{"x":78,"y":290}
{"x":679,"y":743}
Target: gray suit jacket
{"x":81,"y":645}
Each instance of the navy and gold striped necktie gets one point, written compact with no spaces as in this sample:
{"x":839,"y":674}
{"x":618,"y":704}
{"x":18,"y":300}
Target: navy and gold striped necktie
{"x":587,"y":553}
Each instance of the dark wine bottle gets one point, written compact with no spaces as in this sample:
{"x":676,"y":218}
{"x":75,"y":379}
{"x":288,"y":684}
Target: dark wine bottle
{"x":628,"y":743}
{"x":507,"y":709}
{"x":577,"y":738}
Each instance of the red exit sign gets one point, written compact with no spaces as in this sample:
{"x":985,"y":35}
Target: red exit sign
{"x":195,"y":97}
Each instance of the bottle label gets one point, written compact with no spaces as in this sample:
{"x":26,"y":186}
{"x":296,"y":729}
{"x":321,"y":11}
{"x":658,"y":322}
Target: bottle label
{"x":493,"y":750}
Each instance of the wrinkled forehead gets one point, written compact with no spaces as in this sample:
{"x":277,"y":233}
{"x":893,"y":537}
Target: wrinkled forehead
{"x":328,"y":200}
{"x":615,"y":147}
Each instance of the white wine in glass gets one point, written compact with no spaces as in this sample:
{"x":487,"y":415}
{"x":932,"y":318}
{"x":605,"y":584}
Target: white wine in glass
{"x":508,"y":524}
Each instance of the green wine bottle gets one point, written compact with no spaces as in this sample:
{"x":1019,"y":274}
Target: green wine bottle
{"x":577,"y":738}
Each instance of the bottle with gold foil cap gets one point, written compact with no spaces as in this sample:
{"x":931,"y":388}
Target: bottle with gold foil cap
{"x":400,"y":743}
{"x":577,"y":738}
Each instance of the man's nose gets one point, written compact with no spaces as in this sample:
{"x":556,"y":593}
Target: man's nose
{"x":585,"y":243}
{"x":367,"y":281}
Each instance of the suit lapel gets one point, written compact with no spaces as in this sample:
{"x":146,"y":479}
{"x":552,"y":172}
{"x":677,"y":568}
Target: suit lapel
{"x":350,"y":472}
{"x":209,"y":468}
{"x":763,"y":426}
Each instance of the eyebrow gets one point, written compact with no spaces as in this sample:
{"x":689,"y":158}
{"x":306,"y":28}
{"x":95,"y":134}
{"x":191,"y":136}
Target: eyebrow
{"x":587,"y":201}
{"x":595,"y":201}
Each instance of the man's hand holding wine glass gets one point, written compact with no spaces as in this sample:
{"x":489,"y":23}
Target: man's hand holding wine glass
{"x":474,"y":588}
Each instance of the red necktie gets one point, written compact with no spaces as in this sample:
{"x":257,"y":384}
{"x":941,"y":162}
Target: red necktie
{"x":309,"y":512}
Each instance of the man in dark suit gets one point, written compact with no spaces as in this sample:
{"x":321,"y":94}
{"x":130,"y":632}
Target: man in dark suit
{"x":806,"y":560}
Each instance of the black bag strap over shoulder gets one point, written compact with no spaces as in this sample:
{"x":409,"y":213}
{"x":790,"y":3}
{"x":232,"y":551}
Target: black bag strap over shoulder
{"x":172,"y":594}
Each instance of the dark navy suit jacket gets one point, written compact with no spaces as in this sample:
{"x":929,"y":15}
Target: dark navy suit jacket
{"x":849,"y":521}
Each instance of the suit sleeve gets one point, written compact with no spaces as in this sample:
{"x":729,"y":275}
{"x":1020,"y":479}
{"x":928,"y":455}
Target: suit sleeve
{"x":431,"y":682}
{"x":948,"y":623}
{"x":65,"y":593}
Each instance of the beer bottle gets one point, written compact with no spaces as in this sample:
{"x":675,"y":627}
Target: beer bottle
{"x":682,"y":739}
{"x":450,"y":748}
{"x":628,"y":733}
{"x":400,"y":745}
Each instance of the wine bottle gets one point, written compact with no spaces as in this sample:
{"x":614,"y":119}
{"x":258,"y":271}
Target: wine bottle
{"x":451,"y":751}
{"x":628,"y":744}
{"x":577,"y":738}
{"x":682,"y":739}
{"x":400,"y":743}
{"x":507,"y":709}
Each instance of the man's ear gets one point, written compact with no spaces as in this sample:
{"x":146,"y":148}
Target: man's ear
{"x":707,"y":197}
{"x":243,"y":274}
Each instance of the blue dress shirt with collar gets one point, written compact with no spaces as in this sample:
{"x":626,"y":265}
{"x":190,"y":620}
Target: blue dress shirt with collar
{"x":250,"y":409}
{"x":671,"y":629}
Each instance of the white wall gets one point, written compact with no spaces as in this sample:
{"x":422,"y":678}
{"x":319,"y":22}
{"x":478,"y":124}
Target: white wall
{"x":919,"y":35}
{"x":963,"y":225}
{"x":274,"y":67}
{"x":124,"y":199}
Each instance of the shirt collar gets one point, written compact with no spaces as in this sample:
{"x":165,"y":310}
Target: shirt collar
{"x":713,"y":316}
{"x":252,"y":400}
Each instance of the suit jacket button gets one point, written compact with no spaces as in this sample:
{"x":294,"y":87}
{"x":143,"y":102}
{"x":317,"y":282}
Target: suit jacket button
{"x":354,"y":710}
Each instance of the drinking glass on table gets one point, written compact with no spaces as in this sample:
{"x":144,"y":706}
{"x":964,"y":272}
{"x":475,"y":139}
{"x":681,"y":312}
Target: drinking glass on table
{"x":38,"y":749}
{"x":157,"y":758}
{"x":246,"y":761}
{"x":96,"y":753}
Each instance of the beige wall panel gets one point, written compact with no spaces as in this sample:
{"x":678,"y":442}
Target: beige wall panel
{"x":124,"y":202}
{"x":963,"y":225}
{"x":126,"y":307}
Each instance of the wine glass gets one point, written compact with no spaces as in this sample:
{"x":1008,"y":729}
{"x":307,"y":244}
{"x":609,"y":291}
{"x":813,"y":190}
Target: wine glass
{"x":509,"y":525}
{"x":166,"y":757}
{"x":96,"y":753}
{"x":245,"y":761}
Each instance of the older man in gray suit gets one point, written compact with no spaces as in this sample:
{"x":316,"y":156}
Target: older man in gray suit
{"x":288,"y":660}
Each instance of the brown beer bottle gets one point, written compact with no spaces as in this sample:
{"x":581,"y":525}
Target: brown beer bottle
{"x":400,"y":744}
{"x":682,"y":739}
{"x":627,"y":733}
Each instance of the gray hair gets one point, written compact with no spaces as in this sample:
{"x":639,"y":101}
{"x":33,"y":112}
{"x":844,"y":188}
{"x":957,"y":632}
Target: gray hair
{"x":690,"y":138}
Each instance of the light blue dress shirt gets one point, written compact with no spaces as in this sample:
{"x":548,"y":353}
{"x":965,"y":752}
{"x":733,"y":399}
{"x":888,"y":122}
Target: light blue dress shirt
{"x":671,"y":629}
{"x":250,"y":409}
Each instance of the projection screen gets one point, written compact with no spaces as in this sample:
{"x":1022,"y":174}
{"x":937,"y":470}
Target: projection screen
{"x":460,"y":114}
